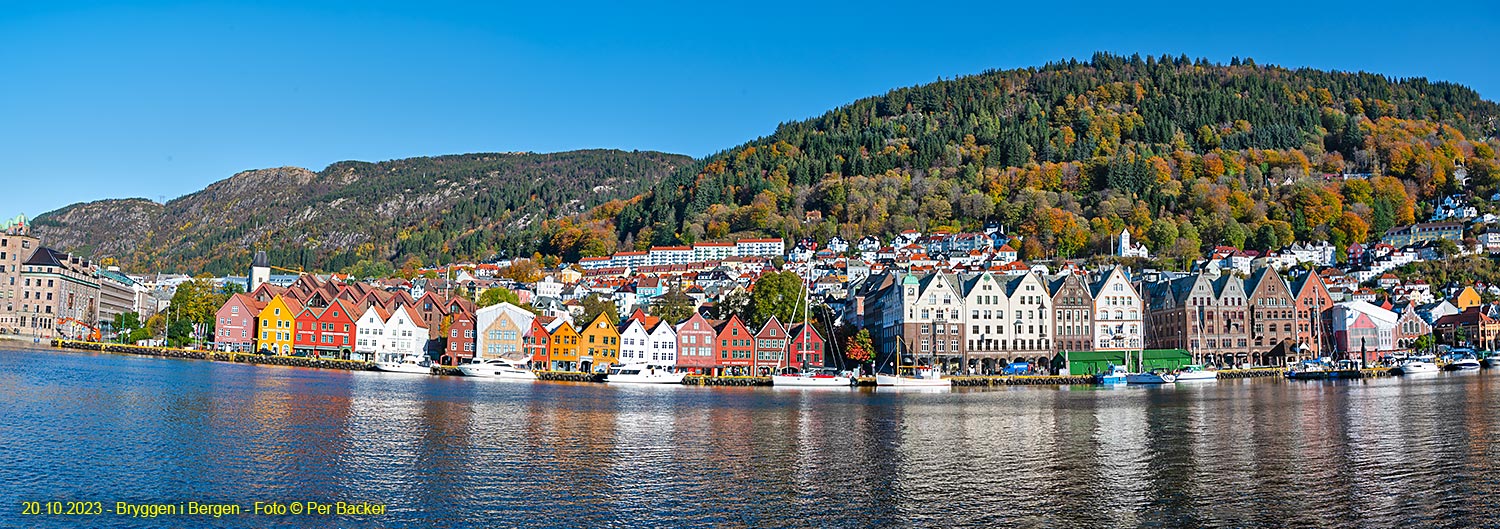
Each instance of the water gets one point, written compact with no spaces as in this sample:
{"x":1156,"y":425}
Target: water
{"x":454,"y":452}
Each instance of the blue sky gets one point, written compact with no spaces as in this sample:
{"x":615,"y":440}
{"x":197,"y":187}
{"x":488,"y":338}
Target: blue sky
{"x":157,"y":99}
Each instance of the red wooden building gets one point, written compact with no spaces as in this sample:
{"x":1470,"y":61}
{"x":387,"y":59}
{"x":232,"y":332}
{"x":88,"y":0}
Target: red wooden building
{"x":735,"y":346}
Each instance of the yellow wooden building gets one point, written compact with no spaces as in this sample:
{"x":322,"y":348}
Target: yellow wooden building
{"x":275,"y":324}
{"x":599,"y":343}
{"x":562,"y":352}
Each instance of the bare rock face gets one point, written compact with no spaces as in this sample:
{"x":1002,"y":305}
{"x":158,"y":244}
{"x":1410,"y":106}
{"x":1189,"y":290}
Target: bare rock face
{"x":352,"y":210}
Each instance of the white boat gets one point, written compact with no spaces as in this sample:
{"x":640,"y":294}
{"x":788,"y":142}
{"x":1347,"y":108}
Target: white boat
{"x":496,"y":368}
{"x":1415,"y":366}
{"x":413,"y":364}
{"x":1463,"y":363}
{"x":1493,"y":360}
{"x":1155,"y":376}
{"x":1194,"y":372}
{"x":921,"y":377}
{"x":642,"y":374}
{"x":815,"y":378}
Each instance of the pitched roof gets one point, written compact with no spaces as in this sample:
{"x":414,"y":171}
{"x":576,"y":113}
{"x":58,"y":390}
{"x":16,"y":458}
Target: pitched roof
{"x":45,"y":256}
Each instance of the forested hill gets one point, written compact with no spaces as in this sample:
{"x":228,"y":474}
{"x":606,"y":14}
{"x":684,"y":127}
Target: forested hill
{"x":432,"y":209}
{"x":1187,"y":152}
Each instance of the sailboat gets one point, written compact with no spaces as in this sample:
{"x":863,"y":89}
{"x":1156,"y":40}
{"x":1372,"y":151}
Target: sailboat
{"x":922,"y":376}
{"x":822,"y":377}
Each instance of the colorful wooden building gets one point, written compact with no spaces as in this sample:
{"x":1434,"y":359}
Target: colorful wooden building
{"x":735,"y":347}
{"x":278,"y":322}
{"x":599,"y":343}
{"x":695,"y":345}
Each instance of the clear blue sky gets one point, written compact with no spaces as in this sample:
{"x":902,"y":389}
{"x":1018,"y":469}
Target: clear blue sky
{"x":118,"y":99}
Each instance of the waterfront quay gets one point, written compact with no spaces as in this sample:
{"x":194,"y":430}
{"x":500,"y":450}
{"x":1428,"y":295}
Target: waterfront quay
{"x":576,"y":377}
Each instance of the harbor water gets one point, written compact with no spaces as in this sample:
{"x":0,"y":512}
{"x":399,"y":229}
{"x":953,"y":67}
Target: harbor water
{"x":456,"y":452}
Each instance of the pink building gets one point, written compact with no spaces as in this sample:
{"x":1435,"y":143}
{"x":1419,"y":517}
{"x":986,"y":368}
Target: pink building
{"x":234,"y":326}
{"x":695,"y":344}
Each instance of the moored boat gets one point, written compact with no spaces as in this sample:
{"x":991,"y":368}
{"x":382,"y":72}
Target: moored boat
{"x":812,"y":378}
{"x":1112,"y":375}
{"x":642,"y":374}
{"x":1196,"y":373}
{"x":496,"y":368}
{"x":1492,"y":359}
{"x":1414,"y":366}
{"x":1155,"y":376}
{"x":410,"y":364}
{"x":1310,"y":370}
{"x":920,"y":377}
{"x":1461,"y":362}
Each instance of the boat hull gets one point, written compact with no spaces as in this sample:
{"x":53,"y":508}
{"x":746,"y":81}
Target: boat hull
{"x":1149,"y":379}
{"x":1492,"y":361}
{"x":1111,"y":380}
{"x":1416,"y":369}
{"x":895,"y":381}
{"x":1197,"y":376}
{"x":410,"y":369}
{"x":495,"y":372}
{"x":660,"y":378}
{"x":1463,"y":365}
{"x":793,"y":381}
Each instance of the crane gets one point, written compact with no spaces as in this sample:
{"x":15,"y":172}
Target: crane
{"x":297,"y":271}
{"x":93,"y":334}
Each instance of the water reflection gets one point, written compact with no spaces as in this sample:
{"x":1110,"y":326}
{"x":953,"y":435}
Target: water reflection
{"x":460,"y":453}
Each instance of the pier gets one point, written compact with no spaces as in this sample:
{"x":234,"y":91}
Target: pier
{"x":217,"y":356}
{"x":701,"y":380}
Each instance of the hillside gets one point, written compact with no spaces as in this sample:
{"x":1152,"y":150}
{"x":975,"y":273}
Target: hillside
{"x":432,"y":208}
{"x":1187,"y":154}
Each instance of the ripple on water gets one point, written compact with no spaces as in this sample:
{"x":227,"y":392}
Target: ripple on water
{"x":455,"y":452}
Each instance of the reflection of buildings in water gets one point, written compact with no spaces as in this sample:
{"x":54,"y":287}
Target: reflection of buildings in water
{"x":1121,"y":453}
{"x":298,"y":422}
{"x":575,"y":431}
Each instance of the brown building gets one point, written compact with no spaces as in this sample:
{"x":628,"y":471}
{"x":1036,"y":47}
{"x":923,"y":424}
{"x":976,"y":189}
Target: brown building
{"x":1272,"y":318}
{"x":1472,"y":328}
{"x":1073,"y":307}
{"x":1205,"y":315}
{"x":1314,"y":325}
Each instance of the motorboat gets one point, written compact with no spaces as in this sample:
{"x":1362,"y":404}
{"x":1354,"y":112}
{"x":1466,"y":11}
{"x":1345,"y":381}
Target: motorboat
{"x":1310,"y":370}
{"x":1415,"y":366}
{"x":642,"y":374}
{"x":825,"y":377}
{"x":1112,"y":375}
{"x":1492,"y":359}
{"x":921,"y":377}
{"x":1462,"y":362}
{"x":412,"y":364}
{"x":1155,"y":376}
{"x":497,"y":368}
{"x":1194,"y":372}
